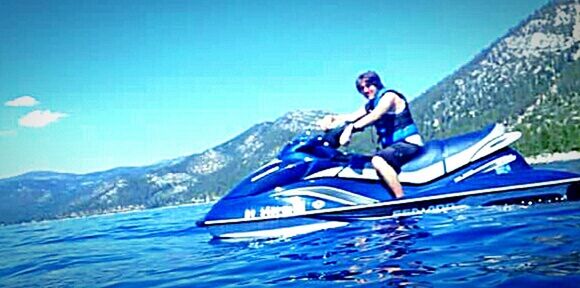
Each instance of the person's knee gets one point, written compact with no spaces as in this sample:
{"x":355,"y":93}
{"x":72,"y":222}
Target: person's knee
{"x":383,"y":166}
{"x":378,"y":162}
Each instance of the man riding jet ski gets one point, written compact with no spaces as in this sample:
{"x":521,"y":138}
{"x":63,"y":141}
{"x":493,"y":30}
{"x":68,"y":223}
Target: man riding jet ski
{"x":388,"y":111}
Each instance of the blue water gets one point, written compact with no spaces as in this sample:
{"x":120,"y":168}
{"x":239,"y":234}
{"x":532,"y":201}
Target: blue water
{"x":537,"y":246}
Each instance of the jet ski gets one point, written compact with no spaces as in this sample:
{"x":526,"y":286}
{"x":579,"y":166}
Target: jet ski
{"x":312,"y":185}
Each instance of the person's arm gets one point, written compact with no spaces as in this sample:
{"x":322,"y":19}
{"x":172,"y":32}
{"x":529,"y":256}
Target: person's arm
{"x":331,"y":121}
{"x":351,"y":117}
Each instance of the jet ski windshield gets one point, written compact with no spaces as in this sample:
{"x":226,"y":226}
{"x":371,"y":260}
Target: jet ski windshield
{"x":293,"y":162}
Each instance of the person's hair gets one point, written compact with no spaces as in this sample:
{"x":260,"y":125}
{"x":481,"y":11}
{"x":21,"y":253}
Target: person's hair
{"x":370,"y":78}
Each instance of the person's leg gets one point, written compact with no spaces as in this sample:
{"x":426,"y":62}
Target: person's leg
{"x":388,"y":163}
{"x":389,"y":175}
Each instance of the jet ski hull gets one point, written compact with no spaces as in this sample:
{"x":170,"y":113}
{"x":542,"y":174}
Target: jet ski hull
{"x":311,"y":209}
{"x":302,"y":192}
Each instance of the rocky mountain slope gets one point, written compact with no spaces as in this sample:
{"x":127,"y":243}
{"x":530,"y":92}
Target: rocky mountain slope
{"x":527,"y":79}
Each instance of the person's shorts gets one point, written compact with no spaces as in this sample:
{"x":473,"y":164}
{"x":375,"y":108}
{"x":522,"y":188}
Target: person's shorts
{"x":397,"y":154}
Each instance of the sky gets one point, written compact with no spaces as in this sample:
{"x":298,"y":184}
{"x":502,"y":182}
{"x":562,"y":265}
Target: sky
{"x":88,"y":86}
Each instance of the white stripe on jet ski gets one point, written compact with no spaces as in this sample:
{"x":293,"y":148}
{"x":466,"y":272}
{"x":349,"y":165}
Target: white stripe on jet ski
{"x":330,"y":172}
{"x":399,"y":202}
{"x":316,"y":195}
{"x":285,"y":232}
{"x":271,"y":170}
{"x":272,"y":162}
{"x":313,"y":192}
{"x":504,"y":160}
{"x":419,"y":212}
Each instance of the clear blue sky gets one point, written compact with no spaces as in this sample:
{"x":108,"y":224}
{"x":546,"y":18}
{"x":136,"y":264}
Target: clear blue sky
{"x":131,"y":83}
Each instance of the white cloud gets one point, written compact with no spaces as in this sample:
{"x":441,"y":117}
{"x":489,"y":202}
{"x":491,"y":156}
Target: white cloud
{"x":39,"y":118}
{"x":24,"y":101}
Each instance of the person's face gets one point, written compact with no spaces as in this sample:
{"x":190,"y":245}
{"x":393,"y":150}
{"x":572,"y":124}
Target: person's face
{"x":369,"y":91}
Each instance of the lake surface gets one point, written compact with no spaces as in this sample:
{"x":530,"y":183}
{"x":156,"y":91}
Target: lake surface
{"x":536,"y":246}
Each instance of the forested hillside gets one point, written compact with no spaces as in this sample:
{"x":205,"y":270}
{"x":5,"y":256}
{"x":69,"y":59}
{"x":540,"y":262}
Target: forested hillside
{"x":527,"y":79}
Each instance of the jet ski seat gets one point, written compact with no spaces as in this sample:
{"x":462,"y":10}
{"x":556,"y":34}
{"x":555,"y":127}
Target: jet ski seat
{"x":437,"y":150}
{"x":442,"y":156}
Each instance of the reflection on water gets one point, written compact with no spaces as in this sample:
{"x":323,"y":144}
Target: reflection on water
{"x":513,"y":265}
{"x":368,"y":254}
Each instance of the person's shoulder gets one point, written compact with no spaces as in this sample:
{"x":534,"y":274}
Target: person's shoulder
{"x":390,"y":94}
{"x":393,"y":94}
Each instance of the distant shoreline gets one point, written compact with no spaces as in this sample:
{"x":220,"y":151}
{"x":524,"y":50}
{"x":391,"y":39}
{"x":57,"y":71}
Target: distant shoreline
{"x":553,"y":157}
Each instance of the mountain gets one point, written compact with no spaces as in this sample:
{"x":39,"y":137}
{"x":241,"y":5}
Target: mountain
{"x":528,"y":79}
{"x":196,"y":178}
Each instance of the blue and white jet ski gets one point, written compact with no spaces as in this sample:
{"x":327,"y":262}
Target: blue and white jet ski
{"x":312,"y":185}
